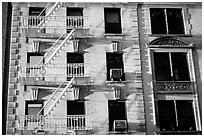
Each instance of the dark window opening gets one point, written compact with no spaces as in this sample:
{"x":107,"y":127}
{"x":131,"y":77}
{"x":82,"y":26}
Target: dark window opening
{"x":171,"y":66}
{"x":117,"y":111}
{"x":75,"y":108}
{"x":115,"y":68}
{"x":112,"y":20}
{"x":75,"y":64}
{"x":158,"y":23}
{"x":176,"y":115}
{"x":166,"y":21}
{"x":180,"y":67}
{"x":175,"y":21}
{"x":73,"y":18}
{"x":36,"y":11}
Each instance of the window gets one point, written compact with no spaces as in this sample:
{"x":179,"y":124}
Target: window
{"x":75,"y":64}
{"x":33,"y":107}
{"x":36,"y":11}
{"x":112,"y":20}
{"x":176,"y":115}
{"x":117,"y":111}
{"x":74,"y":18}
{"x":35,"y":61}
{"x":166,"y":21}
{"x":75,"y":108}
{"x":115,"y":70}
{"x":171,"y":66}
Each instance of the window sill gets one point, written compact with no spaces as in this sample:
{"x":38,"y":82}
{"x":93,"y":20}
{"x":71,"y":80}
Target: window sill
{"x":113,"y":34}
{"x":169,"y":35}
{"x":112,"y":82}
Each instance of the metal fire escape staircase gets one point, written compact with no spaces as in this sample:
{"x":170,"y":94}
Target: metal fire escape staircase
{"x":51,"y":11}
{"x":49,"y":57}
{"x":55,"y":99}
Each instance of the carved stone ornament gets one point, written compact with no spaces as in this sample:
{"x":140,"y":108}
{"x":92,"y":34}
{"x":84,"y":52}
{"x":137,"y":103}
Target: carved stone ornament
{"x":169,"y":42}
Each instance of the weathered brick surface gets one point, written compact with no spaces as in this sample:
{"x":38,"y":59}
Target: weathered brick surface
{"x":15,"y":56}
{"x":15,"y":34}
{"x":16,"y":13}
{"x":12,"y":98}
{"x":10,"y":123}
{"x":11,"y":110}
{"x":16,"y":24}
{"x":11,"y":105}
{"x":14,"y":51}
{"x":14,"y":45}
{"x":14,"y":62}
{"x":15,"y":29}
{"x":10,"y":131}
{"x":14,"y":68}
{"x":11,"y":117}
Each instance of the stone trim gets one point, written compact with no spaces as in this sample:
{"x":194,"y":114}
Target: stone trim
{"x":13,"y":92}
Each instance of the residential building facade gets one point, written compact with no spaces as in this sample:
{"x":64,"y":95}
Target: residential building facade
{"x":104,"y":68}
{"x":171,"y":43}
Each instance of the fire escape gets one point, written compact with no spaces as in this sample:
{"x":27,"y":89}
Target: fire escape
{"x":49,"y":74}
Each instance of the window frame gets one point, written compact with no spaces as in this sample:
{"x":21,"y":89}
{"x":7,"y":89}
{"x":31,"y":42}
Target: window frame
{"x":171,"y":67}
{"x":109,"y":68}
{"x":30,"y":20}
{"x":71,"y":69}
{"x":188,"y":52}
{"x":186,"y":20}
{"x":110,"y":115}
{"x":166,"y":21}
{"x":69,"y":10}
{"x":176,"y":114}
{"x":106,"y":25}
{"x":33,"y":102}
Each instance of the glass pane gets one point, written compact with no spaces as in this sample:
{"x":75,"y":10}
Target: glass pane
{"x":75,"y":58}
{"x":180,"y":67}
{"x":162,"y":66}
{"x":186,"y":120}
{"x":112,"y":17}
{"x":175,"y":21}
{"x":74,"y":11}
{"x":75,"y":108}
{"x":112,"y":20}
{"x":33,"y":110}
{"x":167,"y":117}
{"x":158,"y":23}
{"x":34,"y":60}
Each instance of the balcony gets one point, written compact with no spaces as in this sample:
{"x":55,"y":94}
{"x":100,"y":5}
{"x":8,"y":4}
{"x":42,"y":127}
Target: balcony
{"x":55,"y":123}
{"x":68,"y":22}
{"x":55,"y":25}
{"x":174,"y":86}
{"x":54,"y":73}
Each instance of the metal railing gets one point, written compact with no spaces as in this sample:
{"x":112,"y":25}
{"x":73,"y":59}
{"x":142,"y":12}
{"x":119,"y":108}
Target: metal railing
{"x":68,"y":22}
{"x":54,"y":70}
{"x":55,"y":122}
